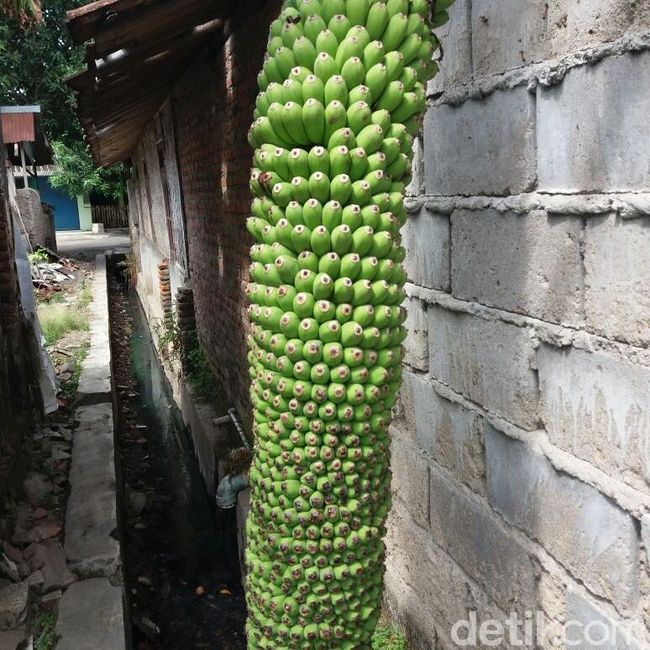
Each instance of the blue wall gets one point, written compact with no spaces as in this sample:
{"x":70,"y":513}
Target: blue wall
{"x":66,"y":211}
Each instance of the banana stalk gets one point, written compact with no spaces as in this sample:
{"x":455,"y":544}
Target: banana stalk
{"x":342,"y":93}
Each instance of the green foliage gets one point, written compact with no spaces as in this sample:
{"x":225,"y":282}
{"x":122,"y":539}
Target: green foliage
{"x":38,"y":256}
{"x":75,"y":172}
{"x":85,"y":295}
{"x":169,"y":337}
{"x":35,"y":58}
{"x":33,"y":63}
{"x":59,"y":319}
{"x":45,"y":638}
{"x":199,"y":375}
{"x":388,"y":637}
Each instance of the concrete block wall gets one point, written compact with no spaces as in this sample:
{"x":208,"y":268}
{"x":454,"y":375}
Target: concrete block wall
{"x":521,"y":447}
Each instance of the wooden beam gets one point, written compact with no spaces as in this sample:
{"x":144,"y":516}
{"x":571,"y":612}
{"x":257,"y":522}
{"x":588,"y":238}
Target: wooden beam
{"x":161,"y":19}
{"x":84,"y":21}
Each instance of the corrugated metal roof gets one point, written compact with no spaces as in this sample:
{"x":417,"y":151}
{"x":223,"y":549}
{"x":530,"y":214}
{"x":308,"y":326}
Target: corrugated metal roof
{"x":18,"y":127}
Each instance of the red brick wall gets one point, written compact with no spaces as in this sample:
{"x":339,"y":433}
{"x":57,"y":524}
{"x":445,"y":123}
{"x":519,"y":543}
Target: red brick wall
{"x":213,"y":107}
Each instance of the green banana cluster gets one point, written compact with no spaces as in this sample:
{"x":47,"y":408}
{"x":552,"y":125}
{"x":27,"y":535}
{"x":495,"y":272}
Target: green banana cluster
{"x":341,"y":99}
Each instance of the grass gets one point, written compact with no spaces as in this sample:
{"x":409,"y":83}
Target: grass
{"x":45,"y":637}
{"x":388,"y":637}
{"x":58,"y":319}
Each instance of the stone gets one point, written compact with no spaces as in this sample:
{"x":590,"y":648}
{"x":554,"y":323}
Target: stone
{"x":489,"y":362}
{"x":587,"y":533}
{"x":426,"y":237}
{"x":137,"y":500}
{"x":617,"y":283}
{"x":595,"y":406}
{"x":91,"y":617}
{"x":416,"y":343}
{"x":483,"y":146}
{"x":91,"y":514}
{"x":10,"y":639}
{"x":9,"y":568}
{"x":529,"y":264}
{"x":584,"y":144}
{"x":52,"y":563}
{"x":450,"y":434}
{"x":43,"y":531}
{"x":38,"y":489}
{"x":592,"y":627}
{"x":13,"y":553}
{"x":13,"y":605}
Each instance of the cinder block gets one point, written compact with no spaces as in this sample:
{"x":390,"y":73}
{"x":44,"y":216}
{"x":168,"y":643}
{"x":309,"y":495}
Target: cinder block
{"x":595,"y":406}
{"x":574,"y":25}
{"x":506,"y":34}
{"x":489,"y":362}
{"x":410,"y":480}
{"x":450,"y":434}
{"x":488,"y":552}
{"x":587,"y":533}
{"x":592,"y":128}
{"x":455,"y":38}
{"x":426,"y":590}
{"x":528,"y":264}
{"x":482,"y":146}
{"x":426,"y":239}
{"x":617,"y":291}
{"x":416,"y":344}
{"x":592,"y":628}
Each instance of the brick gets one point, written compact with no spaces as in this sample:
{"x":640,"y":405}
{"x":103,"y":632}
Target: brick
{"x":455,"y":37}
{"x":410,"y":480}
{"x":584,"y":144}
{"x":482,"y":146}
{"x":489,"y":362}
{"x":426,"y":237}
{"x":425,"y":589}
{"x":416,"y":344}
{"x":506,"y":34}
{"x":617,"y":292}
{"x":587,"y":533}
{"x":467,"y":530}
{"x":529,"y":264}
{"x":451,"y":435}
{"x":592,"y":627}
{"x":595,"y":406}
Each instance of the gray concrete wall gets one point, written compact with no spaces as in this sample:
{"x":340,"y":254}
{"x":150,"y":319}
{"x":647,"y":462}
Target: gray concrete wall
{"x":521,"y":454}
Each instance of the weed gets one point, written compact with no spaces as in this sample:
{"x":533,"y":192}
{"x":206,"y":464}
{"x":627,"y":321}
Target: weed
{"x":85,"y":295}
{"x":38,"y":256}
{"x":129,"y":268}
{"x":45,"y":637}
{"x":68,"y":389}
{"x":59,"y":319}
{"x":199,"y":375}
{"x":169,"y":337}
{"x":388,"y":637}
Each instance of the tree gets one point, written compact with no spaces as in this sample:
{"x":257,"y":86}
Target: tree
{"x":76,"y":174}
{"x":35,"y":58}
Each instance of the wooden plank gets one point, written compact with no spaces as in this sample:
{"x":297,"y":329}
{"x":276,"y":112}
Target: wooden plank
{"x":83,"y":21}
{"x":161,"y":20}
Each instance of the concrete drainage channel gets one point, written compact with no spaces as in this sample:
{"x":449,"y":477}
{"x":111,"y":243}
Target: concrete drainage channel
{"x":91,"y":611}
{"x":157,"y":565}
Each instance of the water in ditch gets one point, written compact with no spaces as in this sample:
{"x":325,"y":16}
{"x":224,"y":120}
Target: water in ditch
{"x":180,"y":553}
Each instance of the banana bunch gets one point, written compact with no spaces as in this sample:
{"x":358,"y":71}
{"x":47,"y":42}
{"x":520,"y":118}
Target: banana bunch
{"x":341,"y":99}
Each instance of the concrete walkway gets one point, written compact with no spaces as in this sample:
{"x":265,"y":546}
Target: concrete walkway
{"x":91,"y":613}
{"x":72,"y":243}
